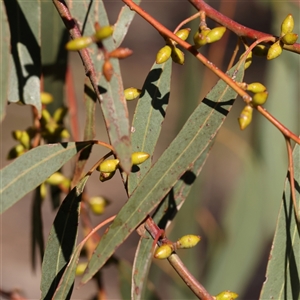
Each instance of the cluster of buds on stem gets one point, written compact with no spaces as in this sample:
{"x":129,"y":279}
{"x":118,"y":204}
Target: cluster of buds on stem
{"x":167,"y":248}
{"x":259,"y":98}
{"x":287,"y":37}
{"x":205,"y":35}
{"x":170,"y":49}
{"x":101,"y":33}
{"x":108,"y":167}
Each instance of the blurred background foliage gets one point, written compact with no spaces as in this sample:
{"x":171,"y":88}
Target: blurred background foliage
{"x":235,"y":202}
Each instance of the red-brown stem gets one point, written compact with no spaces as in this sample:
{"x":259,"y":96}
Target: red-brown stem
{"x":178,"y":265}
{"x":76,"y":33}
{"x":166,"y":32}
{"x":235,"y":27}
{"x":286,"y":132}
{"x":245,"y":96}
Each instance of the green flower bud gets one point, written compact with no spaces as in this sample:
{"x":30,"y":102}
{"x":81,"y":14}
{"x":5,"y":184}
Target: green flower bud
{"x":64,"y":134}
{"x":287,"y":25}
{"x":16,"y":151}
{"x":200,"y":38}
{"x":188,"y":241}
{"x":256,"y":87}
{"x":274,"y":51}
{"x":51,"y":128}
{"x":17,"y":134}
{"x":46,"y":98}
{"x":177,"y":56}
{"x":183,"y":33}
{"x":132,"y":93}
{"x":43,"y":190}
{"x":164,"y":251}
{"x":25,"y":139}
{"x":215,"y":34}
{"x":139,"y":157}
{"x":226,"y":295}
{"x":245,"y":117}
{"x":290,"y":38}
{"x":59,"y":114}
{"x":97,"y":205}
{"x":163,"y":54}
{"x":80,"y":268}
{"x":55,"y":179}
{"x":260,"y":98}
{"x":104,"y":176}
{"x":46,"y":117}
{"x":103,"y":33}
{"x":260,"y":50}
{"x":79,"y":43}
{"x":108,"y":166}
{"x":248,"y":60}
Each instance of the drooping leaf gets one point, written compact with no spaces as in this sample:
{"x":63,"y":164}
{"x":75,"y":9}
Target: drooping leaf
{"x":89,"y":130}
{"x":122,"y":25}
{"x":148,"y":117}
{"x":4,"y":60}
{"x":112,"y":100}
{"x":37,"y":238}
{"x":32,"y":168}
{"x":124,"y":272}
{"x":61,"y":244}
{"x":282,"y":276}
{"x":24,"y":19}
{"x":192,"y":142}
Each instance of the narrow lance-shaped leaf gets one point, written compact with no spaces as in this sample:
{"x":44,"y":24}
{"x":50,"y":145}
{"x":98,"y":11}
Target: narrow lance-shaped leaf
{"x":282,"y":277}
{"x":193,"y":142}
{"x":32,"y":168}
{"x":61,"y":243}
{"x":122,"y":25}
{"x":24,"y":19}
{"x":148,"y":117}
{"x":112,"y":101}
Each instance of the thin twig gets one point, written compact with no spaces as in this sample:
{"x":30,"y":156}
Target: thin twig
{"x":235,"y":27}
{"x":178,"y":265}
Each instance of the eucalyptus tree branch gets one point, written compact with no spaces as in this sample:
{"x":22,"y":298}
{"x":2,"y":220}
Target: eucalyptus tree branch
{"x":178,"y":265}
{"x":245,"y":96}
{"x":238,"y":29}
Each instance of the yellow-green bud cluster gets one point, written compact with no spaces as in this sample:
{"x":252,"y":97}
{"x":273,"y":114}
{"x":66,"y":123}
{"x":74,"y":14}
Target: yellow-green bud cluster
{"x":170,"y":49}
{"x":287,"y":37}
{"x":260,"y":93}
{"x":205,"y":35}
{"x":245,"y":117}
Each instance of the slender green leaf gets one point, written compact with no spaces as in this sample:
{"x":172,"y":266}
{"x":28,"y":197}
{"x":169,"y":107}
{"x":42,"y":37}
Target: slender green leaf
{"x":61,"y":244}
{"x":24,"y":19}
{"x":122,"y":25}
{"x":124,"y":270}
{"x":192,"y":142}
{"x":282,"y":277}
{"x":4,"y":59}
{"x":148,"y":117}
{"x":113,"y":103}
{"x":90,"y":99}
{"x":37,"y":237}
{"x":32,"y":168}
